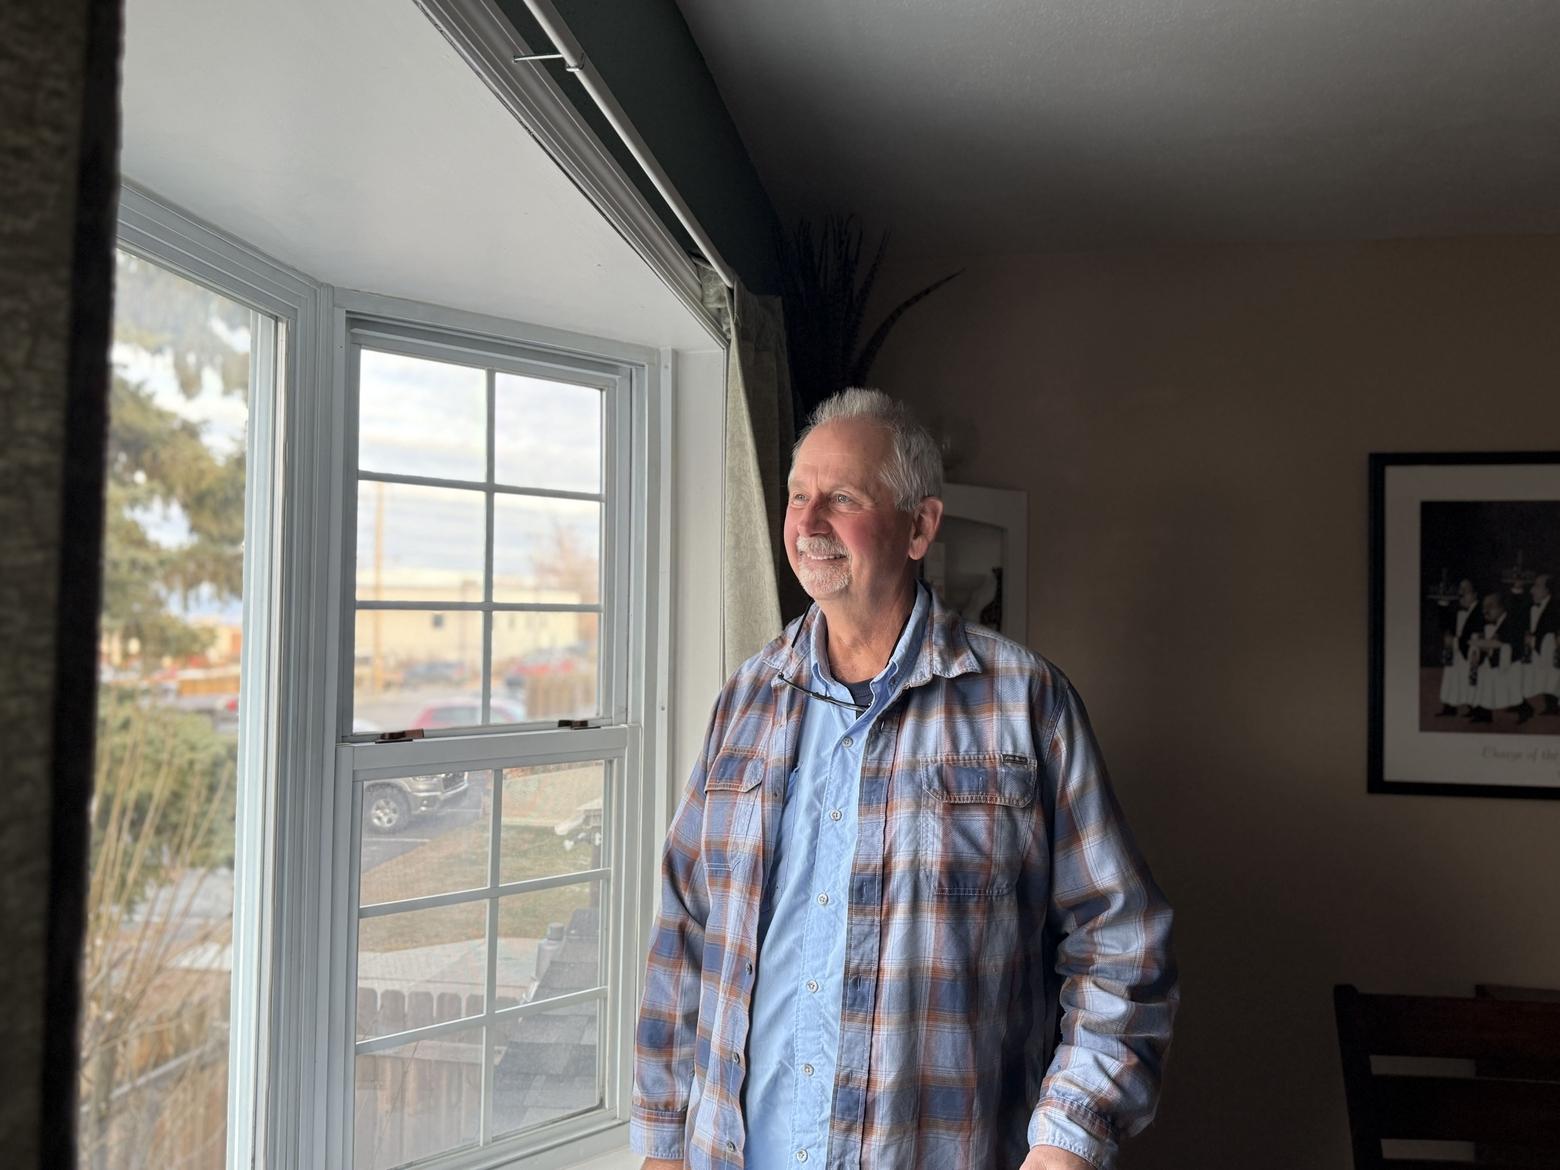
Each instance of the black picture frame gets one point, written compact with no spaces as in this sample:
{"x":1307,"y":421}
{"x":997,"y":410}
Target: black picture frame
{"x":1450,"y":488}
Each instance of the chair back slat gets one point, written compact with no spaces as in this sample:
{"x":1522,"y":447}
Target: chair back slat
{"x":1541,"y":1160}
{"x":1514,"y":1114}
{"x":1468,"y":1109}
{"x":1470,"y":1029}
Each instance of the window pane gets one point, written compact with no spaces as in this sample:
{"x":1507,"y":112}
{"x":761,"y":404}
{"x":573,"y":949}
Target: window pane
{"x":417,"y":668}
{"x":553,"y":820}
{"x":546,"y":551}
{"x":419,"y":417}
{"x":548,"y":663}
{"x":413,"y":966}
{"x":549,"y":942}
{"x":418,"y":1100}
{"x":158,"y":954}
{"x":547,"y":434}
{"x":420,"y":543}
{"x":425,"y":835}
{"x":547,"y":1066}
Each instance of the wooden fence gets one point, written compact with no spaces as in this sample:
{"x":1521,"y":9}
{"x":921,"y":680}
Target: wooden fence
{"x":423,"y":1098}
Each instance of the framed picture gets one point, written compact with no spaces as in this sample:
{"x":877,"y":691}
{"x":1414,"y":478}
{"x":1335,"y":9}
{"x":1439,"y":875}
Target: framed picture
{"x":1464,"y":632}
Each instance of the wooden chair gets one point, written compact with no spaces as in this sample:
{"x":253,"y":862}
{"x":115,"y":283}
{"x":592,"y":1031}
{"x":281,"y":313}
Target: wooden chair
{"x":1516,"y":1119}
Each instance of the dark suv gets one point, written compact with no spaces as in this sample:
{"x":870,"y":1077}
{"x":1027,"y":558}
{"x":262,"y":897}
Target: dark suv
{"x":388,"y":805}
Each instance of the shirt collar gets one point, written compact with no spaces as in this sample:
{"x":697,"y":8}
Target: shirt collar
{"x":933,"y":643}
{"x":904,"y":653}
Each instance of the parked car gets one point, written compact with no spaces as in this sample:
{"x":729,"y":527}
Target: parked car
{"x":437,"y":671}
{"x":546,"y":663}
{"x":390,"y":805}
{"x":466,"y":711}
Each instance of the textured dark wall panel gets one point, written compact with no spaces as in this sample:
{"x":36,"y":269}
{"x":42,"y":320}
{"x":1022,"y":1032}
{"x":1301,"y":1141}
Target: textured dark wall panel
{"x":58,"y":136}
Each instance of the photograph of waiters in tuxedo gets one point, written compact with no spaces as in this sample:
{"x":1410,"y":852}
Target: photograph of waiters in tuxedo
{"x":1489,"y":626}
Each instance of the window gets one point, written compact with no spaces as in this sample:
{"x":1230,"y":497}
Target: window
{"x":333,"y":515}
{"x":493,"y":905}
{"x":180,"y":752}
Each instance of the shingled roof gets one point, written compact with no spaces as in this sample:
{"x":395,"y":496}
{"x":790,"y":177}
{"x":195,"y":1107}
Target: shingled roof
{"x":551,"y":1064}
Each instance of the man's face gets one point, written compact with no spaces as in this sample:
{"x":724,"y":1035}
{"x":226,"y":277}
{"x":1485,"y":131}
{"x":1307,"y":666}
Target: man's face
{"x":1493,"y":608}
{"x":1540,"y":588}
{"x":844,"y":535}
{"x":1466,"y":595}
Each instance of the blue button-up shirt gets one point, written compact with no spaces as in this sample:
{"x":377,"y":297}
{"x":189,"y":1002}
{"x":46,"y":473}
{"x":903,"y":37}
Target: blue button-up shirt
{"x":793,"y":1044}
{"x":1007,"y":974}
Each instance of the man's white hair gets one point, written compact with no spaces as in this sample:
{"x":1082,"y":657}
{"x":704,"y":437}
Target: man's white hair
{"x":915,"y":469}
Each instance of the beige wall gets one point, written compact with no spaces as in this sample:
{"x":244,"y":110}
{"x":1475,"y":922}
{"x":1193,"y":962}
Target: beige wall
{"x":1192,"y":426}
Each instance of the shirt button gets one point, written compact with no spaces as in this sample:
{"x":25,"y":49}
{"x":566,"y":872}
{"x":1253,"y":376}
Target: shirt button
{"x":812,"y":985}
{"x":823,"y":899}
{"x":807,"y":1070}
{"x":848,"y":742}
{"x":801,"y":1155}
{"x":835,"y":814}
{"x":730,"y":1145}
{"x":749,"y":966}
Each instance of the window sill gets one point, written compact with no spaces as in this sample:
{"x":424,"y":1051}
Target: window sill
{"x":619,"y":1159}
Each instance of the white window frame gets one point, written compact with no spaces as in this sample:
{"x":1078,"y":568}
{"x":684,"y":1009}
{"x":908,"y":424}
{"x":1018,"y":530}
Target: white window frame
{"x":295,"y":864}
{"x":634,"y":678}
{"x":182,"y":244}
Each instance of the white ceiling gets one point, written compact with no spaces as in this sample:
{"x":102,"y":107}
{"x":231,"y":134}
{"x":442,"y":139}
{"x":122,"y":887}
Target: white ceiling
{"x":1017,"y":125}
{"x":347,"y":139}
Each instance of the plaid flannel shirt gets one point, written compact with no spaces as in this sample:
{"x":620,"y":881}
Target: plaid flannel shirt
{"x":1008,"y":975}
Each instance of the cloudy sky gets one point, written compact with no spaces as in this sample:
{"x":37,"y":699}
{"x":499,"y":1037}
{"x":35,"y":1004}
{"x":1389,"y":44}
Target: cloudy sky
{"x":429,"y":419}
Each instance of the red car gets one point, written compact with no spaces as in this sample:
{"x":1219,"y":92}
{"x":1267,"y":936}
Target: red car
{"x":466,"y":711}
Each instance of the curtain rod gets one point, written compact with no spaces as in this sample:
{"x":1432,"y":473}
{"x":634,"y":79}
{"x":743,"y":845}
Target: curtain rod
{"x":575,"y":61}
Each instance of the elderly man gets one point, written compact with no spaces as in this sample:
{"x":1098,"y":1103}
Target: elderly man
{"x":902,"y":924}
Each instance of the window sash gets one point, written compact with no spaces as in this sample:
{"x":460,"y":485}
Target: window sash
{"x":470,"y":347}
{"x":626,"y":806}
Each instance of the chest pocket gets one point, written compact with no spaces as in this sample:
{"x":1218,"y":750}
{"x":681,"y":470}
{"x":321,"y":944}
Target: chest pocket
{"x":977,"y":822}
{"x":733,"y":800}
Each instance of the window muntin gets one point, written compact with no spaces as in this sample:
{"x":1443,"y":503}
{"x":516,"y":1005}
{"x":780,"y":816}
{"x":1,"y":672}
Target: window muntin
{"x":483,"y":582}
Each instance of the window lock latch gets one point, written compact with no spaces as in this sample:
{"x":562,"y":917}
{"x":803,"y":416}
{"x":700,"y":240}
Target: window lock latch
{"x":399,"y":736}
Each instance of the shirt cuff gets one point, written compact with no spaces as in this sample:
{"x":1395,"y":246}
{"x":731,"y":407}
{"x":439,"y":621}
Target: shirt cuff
{"x":657,"y":1133}
{"x":1075,"y":1128}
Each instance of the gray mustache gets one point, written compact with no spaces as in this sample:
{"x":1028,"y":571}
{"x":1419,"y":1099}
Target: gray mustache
{"x":818,"y":547}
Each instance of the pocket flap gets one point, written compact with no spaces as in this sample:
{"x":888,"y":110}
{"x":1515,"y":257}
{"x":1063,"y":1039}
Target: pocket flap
{"x":982,"y":778}
{"x":735,"y":770}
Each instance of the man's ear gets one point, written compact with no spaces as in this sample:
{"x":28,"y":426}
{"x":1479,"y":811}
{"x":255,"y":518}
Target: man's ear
{"x":924,"y":523}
